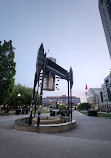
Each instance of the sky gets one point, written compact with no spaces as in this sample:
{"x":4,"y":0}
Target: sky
{"x":71,"y":30}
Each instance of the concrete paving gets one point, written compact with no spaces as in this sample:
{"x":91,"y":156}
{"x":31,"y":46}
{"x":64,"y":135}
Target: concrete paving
{"x":91,"y":138}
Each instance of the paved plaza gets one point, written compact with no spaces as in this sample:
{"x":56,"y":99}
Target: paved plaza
{"x":91,"y":138}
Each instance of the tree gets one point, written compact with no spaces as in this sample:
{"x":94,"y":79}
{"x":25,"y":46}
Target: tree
{"x":24,"y":97}
{"x":7,"y":71}
{"x":84,"y":106}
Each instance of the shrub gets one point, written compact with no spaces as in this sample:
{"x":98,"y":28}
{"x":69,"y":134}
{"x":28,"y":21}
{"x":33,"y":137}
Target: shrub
{"x":84,"y":106}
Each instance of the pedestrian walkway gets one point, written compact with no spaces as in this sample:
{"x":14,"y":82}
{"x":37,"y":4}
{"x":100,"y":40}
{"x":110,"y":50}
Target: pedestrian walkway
{"x":89,"y":127}
{"x":91,"y":138}
{"x":11,"y":118}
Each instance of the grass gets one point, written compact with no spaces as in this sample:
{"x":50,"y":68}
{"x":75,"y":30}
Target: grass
{"x":45,"y":111}
{"x":99,"y":114}
{"x":104,"y":115}
{"x":12,"y":112}
{"x":84,"y":112}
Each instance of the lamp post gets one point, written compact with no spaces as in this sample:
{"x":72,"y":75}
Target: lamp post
{"x":19,"y":95}
{"x":18,"y":110}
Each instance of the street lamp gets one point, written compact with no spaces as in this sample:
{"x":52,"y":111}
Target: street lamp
{"x":19,"y":95}
{"x":17,"y":107}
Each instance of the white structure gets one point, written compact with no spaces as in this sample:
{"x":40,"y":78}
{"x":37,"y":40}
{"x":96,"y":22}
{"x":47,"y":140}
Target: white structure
{"x":106,"y":93}
{"x":101,"y":97}
{"x":105,"y":12}
{"x":93,"y":96}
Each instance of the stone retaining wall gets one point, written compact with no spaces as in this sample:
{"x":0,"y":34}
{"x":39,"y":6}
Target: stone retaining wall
{"x":22,"y":125}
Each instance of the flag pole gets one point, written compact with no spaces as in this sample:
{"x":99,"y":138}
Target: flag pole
{"x":86,"y":92}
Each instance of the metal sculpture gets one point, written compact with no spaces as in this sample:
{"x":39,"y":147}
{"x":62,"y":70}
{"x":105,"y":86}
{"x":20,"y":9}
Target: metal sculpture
{"x":46,"y":67}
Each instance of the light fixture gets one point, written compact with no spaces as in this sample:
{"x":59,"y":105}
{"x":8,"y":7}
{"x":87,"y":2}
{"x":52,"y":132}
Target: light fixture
{"x":19,"y":95}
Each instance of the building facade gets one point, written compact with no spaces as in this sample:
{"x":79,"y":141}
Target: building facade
{"x":105,"y":12}
{"x":106,"y":94}
{"x":93,"y":97}
{"x":52,"y":100}
{"x":101,"y":97}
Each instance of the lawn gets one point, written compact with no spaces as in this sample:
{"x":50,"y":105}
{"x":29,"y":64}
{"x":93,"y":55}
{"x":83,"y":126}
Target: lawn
{"x":99,"y":114}
{"x":12,"y":112}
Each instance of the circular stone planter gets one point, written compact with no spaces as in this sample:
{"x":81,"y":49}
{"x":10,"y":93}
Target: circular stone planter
{"x":64,"y":125}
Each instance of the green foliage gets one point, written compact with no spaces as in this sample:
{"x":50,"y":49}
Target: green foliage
{"x":23,"y":99}
{"x":84,"y":106}
{"x":61,"y":107}
{"x":99,"y":114}
{"x":7,"y":71}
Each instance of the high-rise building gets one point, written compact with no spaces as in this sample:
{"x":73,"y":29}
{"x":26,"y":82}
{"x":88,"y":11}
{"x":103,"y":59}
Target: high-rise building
{"x":105,"y":12}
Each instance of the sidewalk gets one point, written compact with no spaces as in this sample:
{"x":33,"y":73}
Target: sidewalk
{"x":8,"y":118}
{"x":91,"y":138}
{"x":89,"y":127}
